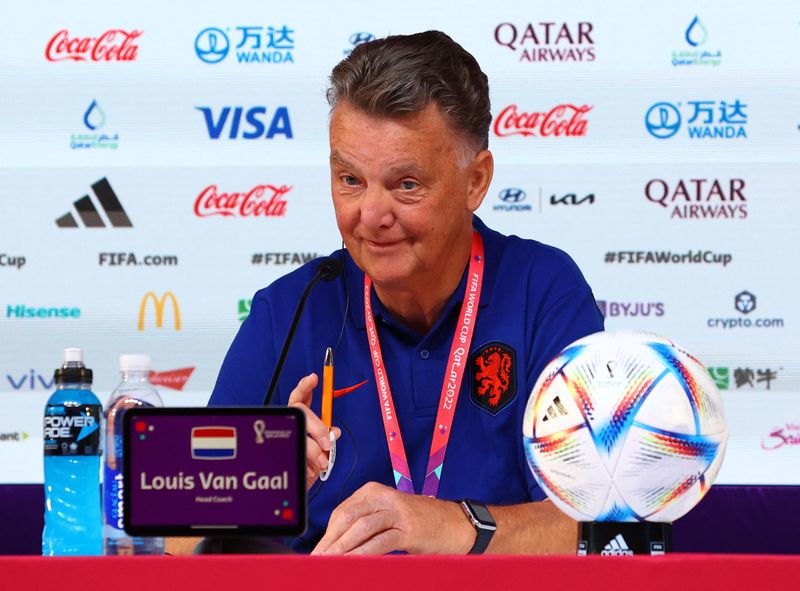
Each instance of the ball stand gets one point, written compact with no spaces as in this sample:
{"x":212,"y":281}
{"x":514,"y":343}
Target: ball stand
{"x":610,"y":538}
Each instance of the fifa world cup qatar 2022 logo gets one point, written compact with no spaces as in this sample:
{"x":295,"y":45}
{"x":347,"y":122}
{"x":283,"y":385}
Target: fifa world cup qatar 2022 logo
{"x":562,"y":120}
{"x":113,"y":45}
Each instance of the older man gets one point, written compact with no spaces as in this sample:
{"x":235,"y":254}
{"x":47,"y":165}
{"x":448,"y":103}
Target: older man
{"x":441,"y":326}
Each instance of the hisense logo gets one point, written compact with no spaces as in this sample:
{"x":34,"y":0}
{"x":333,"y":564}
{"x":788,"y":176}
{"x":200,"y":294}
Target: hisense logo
{"x":21,"y":311}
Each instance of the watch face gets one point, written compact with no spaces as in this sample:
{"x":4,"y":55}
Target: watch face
{"x":482,"y":514}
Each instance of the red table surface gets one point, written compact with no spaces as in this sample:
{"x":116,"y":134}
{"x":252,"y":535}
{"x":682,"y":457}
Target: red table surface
{"x":242,"y":573}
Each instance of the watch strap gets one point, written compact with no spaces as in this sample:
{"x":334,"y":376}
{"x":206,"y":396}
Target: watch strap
{"x":484,"y":531}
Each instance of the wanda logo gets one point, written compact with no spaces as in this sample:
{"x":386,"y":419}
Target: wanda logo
{"x":561,"y":120}
{"x":115,"y":45}
{"x":260,"y":201}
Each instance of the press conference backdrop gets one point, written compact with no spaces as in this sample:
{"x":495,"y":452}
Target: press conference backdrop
{"x":160,"y":162}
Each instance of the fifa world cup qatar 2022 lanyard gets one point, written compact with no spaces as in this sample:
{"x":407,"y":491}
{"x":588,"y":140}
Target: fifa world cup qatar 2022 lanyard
{"x":456,"y":364}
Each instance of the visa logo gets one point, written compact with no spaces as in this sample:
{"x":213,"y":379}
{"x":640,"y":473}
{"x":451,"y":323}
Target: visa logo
{"x":30,"y":381}
{"x":253,"y":126}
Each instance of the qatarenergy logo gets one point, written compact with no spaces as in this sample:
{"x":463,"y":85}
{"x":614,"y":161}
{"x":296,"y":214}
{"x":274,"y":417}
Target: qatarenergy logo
{"x":21,"y":311}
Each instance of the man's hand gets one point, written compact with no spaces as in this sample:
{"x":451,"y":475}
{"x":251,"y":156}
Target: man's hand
{"x":318,"y":442}
{"x":378,"y":519}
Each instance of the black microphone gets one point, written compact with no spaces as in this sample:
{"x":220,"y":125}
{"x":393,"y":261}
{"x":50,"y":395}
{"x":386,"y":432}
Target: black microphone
{"x":328,"y":270}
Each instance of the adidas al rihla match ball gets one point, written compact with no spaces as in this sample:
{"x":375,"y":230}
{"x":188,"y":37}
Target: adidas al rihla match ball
{"x":625,"y":426}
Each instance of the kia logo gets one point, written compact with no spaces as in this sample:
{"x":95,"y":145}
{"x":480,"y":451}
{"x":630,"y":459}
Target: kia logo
{"x":359,"y":38}
{"x":512,"y":195}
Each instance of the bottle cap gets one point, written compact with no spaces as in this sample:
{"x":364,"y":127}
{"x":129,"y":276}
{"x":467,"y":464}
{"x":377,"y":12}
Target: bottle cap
{"x":134,"y":362}
{"x":73,"y":371}
{"x":73,"y":355}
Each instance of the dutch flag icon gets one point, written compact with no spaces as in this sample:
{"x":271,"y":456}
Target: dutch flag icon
{"x":213,"y":443}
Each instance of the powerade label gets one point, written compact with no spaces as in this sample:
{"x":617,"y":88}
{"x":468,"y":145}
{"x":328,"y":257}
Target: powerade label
{"x":72,"y":430}
{"x":113,"y":488}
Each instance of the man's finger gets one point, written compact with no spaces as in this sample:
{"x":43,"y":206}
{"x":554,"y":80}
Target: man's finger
{"x":301,"y":398}
{"x":382,"y":543}
{"x":360,"y":532}
{"x":303,"y":391}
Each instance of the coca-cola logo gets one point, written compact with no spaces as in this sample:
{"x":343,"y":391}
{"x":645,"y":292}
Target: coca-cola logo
{"x":260,"y":201}
{"x":115,"y":45}
{"x":562,"y":120}
{"x":174,"y":379}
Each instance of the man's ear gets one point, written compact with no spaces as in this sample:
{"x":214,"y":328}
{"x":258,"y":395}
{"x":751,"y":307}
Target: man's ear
{"x":481,"y":170}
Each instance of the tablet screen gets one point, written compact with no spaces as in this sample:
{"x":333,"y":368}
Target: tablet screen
{"x":204,"y":471}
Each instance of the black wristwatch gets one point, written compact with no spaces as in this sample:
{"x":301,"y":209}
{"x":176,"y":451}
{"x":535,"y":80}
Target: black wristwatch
{"x":483,"y":522}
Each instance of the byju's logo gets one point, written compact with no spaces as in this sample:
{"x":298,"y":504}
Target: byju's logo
{"x":707,"y":119}
{"x":90,"y":216}
{"x":745,"y":302}
{"x":94,"y":119}
{"x":253,"y":127}
{"x":158,"y":304}
{"x":257,"y":45}
{"x":611,"y":309}
{"x":699,"y":198}
{"x":696,"y":36}
{"x":30,"y":380}
{"x":548,"y":42}
{"x":357,"y":39}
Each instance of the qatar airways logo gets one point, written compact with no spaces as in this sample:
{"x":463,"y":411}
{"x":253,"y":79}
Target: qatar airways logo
{"x":260,"y":201}
{"x":548,"y":41}
{"x":115,"y":45}
{"x":562,"y":120}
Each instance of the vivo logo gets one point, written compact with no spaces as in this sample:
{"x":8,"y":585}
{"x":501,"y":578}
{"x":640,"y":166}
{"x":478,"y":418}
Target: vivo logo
{"x":30,"y":381}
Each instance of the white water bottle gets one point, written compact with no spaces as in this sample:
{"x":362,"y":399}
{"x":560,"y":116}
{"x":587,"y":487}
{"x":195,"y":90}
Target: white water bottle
{"x":134,"y":391}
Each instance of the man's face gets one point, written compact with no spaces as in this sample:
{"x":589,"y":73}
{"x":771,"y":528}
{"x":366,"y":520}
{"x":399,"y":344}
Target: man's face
{"x":402,"y":196}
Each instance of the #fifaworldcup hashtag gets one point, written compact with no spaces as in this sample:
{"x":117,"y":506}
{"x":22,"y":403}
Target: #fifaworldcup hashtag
{"x":633,"y":257}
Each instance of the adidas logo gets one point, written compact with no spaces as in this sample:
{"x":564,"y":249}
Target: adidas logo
{"x":555,"y":410}
{"x":89,"y":214}
{"x":617,"y":547}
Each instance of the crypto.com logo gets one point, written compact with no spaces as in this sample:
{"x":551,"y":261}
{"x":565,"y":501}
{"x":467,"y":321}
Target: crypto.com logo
{"x":158,"y":304}
{"x":663,"y":120}
{"x":745,"y":302}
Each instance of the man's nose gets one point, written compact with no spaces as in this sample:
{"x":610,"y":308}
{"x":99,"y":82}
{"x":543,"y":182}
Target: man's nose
{"x":377,"y":208}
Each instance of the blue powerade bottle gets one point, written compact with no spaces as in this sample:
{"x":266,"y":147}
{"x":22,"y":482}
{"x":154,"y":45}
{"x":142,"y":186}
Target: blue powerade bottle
{"x":72,"y":517}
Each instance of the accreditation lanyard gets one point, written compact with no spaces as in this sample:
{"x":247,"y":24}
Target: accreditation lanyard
{"x":456,"y":363}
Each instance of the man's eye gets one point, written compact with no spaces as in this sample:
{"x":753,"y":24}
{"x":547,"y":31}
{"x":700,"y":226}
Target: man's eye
{"x":350,"y":180}
{"x":408,"y":185}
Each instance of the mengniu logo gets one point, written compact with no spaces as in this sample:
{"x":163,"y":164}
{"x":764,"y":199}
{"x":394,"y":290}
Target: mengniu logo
{"x":357,"y":39}
{"x":254,"y":44}
{"x":254,"y":125}
{"x":548,"y":42}
{"x":260,"y":201}
{"x":30,"y":380}
{"x":697,"y":54}
{"x":701,"y":198}
{"x":566,"y":120}
{"x":94,"y":119}
{"x":704,"y":119}
{"x":115,"y":45}
{"x":158,"y":305}
{"x":88,"y":212}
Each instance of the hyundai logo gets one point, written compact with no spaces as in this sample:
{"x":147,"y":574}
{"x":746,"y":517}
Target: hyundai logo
{"x":663,"y":120}
{"x":359,"y":38}
{"x":512,"y":195}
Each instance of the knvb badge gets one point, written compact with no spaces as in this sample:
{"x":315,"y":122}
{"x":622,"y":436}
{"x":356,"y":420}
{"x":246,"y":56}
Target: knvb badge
{"x":213,"y":443}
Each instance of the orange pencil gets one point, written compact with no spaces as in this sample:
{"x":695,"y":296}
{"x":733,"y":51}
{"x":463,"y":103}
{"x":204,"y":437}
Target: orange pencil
{"x":327,"y":388}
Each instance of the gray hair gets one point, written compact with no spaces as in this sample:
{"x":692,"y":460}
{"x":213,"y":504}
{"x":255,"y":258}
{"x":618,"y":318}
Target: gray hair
{"x":403,"y":74}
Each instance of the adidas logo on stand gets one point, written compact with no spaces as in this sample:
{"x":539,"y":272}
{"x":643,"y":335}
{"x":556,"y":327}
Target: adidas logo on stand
{"x":617,"y":547}
{"x":89,"y":214}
